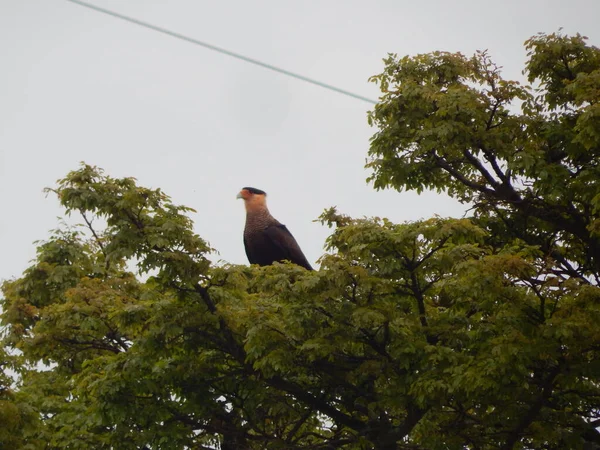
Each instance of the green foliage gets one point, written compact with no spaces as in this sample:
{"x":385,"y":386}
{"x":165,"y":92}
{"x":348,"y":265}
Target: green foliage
{"x":450,"y":123}
{"x":18,"y":421}
{"x":477,"y":333}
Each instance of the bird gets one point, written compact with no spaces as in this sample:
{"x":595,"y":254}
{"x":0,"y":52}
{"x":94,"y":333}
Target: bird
{"x":267,"y":240}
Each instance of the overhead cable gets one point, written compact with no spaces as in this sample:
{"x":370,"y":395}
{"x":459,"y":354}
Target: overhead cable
{"x":223,"y":51}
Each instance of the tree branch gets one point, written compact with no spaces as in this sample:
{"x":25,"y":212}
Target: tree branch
{"x":303,"y":395}
{"x":480,"y":167}
{"x":96,"y":238}
{"x":442,"y":163}
{"x":298,"y":425}
{"x":533,"y":411}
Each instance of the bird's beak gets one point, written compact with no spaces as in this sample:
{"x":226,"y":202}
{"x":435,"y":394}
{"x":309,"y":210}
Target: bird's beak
{"x":239,"y":195}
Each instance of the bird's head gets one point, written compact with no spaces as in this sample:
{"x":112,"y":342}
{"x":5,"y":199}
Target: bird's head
{"x":253,"y":198}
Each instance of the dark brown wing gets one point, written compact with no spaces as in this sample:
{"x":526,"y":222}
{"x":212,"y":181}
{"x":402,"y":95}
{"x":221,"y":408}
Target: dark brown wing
{"x":281,"y":246}
{"x":260,"y":250}
{"x":251,"y":251}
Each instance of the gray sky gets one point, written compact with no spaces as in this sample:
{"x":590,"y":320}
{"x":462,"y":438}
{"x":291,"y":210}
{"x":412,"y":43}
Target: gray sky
{"x":77,"y":85}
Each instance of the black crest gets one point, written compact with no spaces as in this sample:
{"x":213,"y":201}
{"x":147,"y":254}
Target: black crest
{"x":255,"y":191}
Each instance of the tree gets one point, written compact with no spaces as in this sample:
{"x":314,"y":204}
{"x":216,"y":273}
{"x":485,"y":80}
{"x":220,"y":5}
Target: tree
{"x":474,"y":333}
{"x":17,"y":418}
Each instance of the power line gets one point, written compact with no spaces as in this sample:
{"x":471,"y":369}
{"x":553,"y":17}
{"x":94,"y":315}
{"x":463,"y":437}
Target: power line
{"x":223,"y":51}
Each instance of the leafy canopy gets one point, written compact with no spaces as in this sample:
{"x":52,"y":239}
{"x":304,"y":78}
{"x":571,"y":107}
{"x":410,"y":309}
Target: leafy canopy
{"x":477,"y":333}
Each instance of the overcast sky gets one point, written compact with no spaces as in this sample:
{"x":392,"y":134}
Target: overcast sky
{"x":77,"y":85}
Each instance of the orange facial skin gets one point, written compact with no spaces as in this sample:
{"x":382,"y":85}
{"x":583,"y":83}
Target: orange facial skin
{"x":244,"y":194}
{"x":252,"y":201}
